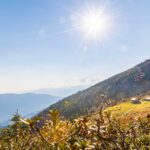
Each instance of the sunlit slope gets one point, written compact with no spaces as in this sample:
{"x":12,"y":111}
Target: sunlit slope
{"x":129,"y":111}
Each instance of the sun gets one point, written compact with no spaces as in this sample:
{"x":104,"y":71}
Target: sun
{"x":94,"y":23}
{"x":91,"y":22}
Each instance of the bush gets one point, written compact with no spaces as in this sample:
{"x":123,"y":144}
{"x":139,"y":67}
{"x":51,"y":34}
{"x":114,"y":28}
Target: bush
{"x":85,"y":133}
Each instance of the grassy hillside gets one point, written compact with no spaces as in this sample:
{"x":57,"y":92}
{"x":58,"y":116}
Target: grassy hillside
{"x":128,"y":108}
{"x":128,"y":111}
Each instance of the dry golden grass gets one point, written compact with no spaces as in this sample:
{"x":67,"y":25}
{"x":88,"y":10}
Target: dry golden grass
{"x":128,"y":111}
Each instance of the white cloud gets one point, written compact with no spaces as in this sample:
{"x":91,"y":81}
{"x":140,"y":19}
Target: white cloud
{"x":83,"y":81}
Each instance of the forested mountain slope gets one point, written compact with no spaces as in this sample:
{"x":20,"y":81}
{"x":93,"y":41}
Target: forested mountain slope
{"x":132,"y":82}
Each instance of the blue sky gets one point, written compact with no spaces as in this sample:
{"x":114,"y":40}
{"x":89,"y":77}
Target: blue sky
{"x":40,"y":49}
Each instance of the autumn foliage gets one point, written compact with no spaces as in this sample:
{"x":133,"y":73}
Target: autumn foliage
{"x":85,"y":133}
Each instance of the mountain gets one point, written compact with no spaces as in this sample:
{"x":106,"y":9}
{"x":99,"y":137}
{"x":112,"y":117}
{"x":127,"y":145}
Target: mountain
{"x":129,"y":83}
{"x":27,"y":103}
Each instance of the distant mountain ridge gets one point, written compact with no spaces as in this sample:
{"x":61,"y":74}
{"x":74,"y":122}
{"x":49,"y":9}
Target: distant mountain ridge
{"x":129,"y":83}
{"x":26,"y":103}
{"x":61,"y":91}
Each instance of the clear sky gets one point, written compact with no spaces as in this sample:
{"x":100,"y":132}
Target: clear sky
{"x":43,"y":46}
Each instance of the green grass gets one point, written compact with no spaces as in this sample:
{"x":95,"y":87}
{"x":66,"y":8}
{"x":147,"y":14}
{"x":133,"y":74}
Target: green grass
{"x":129,"y":110}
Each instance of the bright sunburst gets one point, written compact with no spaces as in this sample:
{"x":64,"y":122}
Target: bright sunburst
{"x":93,"y":23}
